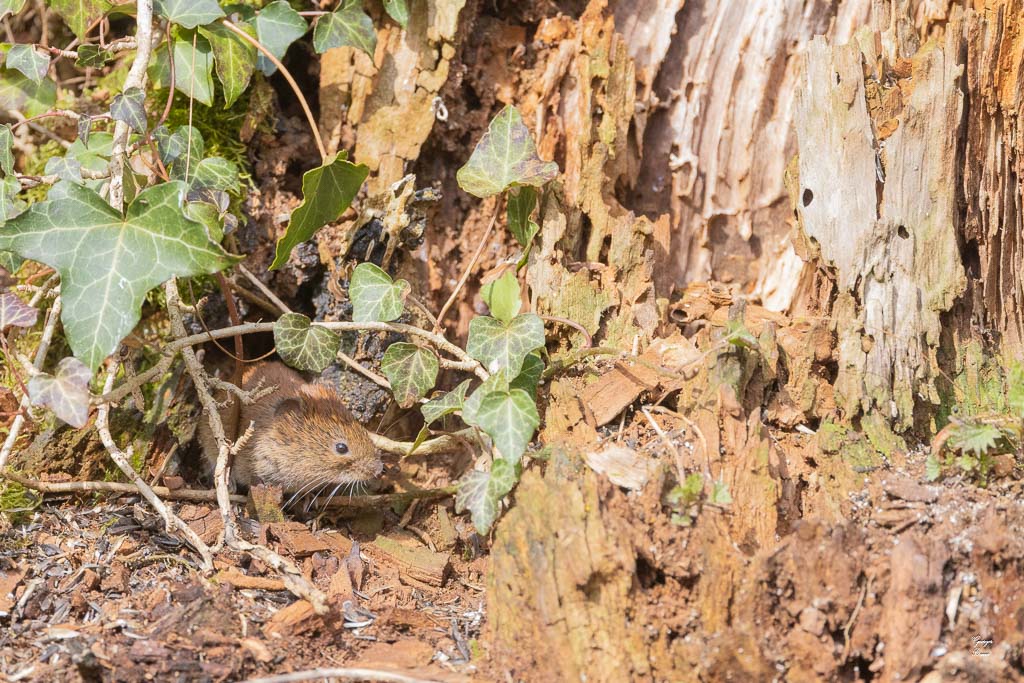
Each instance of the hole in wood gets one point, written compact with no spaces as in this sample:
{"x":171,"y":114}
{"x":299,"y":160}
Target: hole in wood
{"x":903,"y":232}
{"x":808,"y":197}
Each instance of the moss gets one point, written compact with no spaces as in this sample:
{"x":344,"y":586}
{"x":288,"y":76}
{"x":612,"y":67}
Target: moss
{"x":17,"y":502}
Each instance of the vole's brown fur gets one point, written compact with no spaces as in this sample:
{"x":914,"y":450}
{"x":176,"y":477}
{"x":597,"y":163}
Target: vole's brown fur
{"x":296,"y":430}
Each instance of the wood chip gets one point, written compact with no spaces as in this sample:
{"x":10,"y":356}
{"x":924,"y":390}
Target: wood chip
{"x":239,"y":580}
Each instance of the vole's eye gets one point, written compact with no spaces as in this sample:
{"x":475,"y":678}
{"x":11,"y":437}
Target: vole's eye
{"x":341,"y":448}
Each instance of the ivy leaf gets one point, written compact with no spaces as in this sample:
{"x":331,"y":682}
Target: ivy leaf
{"x":193,"y":68}
{"x":498,"y":381}
{"x":21,"y":94}
{"x":499,"y":345}
{"x":6,"y":153}
{"x":720,"y":494}
{"x":326,"y":192}
{"x":84,"y":128}
{"x":277,"y":27}
{"x":235,"y":58}
{"x":529,"y":377}
{"x":91,"y":156}
{"x":979,"y":438}
{"x":510,"y":418}
{"x":10,"y":204}
{"x":502,"y":296}
{"x":130,"y":107}
{"x":189,"y":13}
{"x":932,"y":467}
{"x":398,"y":10}
{"x":375,"y":297}
{"x":184,"y":143}
{"x":1015,"y":390}
{"x":92,"y":56}
{"x":15,"y":312}
{"x":108,"y":262}
{"x":348,"y":25}
{"x":80,"y":14}
{"x":520,"y":207}
{"x":304,"y":346}
{"x":27,"y":60}
{"x":66,"y":394}
{"x":505,"y":156}
{"x":446,"y":404}
{"x":10,"y":262}
{"x":212,"y":173}
{"x":481,"y":492}
{"x":411,"y":370}
{"x":10,"y":7}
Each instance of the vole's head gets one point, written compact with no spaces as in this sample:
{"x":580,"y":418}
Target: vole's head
{"x":313,"y":439}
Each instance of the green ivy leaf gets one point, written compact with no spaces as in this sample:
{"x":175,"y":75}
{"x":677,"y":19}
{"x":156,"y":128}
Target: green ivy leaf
{"x":979,"y":438}
{"x":398,"y":10}
{"x":80,"y":14}
{"x":500,"y":345}
{"x":189,"y":13}
{"x":304,"y":346}
{"x":29,"y":61}
{"x":521,"y":203}
{"x":6,"y":147}
{"x":184,"y":143}
{"x":446,"y":404}
{"x":214,"y":173}
{"x":10,"y":204}
{"x":326,"y":192}
{"x":932,"y":468}
{"x":498,"y":381}
{"x":130,"y":107}
{"x":66,"y":393}
{"x":10,"y":262}
{"x":375,"y":297}
{"x":688,"y":492}
{"x":107,"y":263}
{"x":10,"y":7}
{"x":277,"y":27}
{"x":411,"y":370}
{"x":505,"y":156}
{"x":481,"y":492}
{"x":23,"y":95}
{"x":193,"y":68}
{"x":1015,"y":389}
{"x":93,"y":156}
{"x":510,"y":418}
{"x":720,"y":494}
{"x":15,"y":313}
{"x":92,"y":56}
{"x":502,"y":296}
{"x":529,"y":377}
{"x":348,"y":25}
{"x":235,"y":59}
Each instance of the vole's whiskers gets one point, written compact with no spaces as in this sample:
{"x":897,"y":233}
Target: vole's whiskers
{"x":298,"y":493}
{"x":312,"y":498}
{"x":331,"y":497}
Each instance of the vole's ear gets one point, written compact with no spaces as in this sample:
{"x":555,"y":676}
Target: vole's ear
{"x":288,"y":405}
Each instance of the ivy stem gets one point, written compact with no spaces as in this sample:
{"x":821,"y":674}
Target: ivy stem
{"x":136,"y":79}
{"x":288,"y":77}
{"x":465,"y":362}
{"x":469,"y":268}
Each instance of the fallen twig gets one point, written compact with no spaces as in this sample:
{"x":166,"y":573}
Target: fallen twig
{"x":347,"y":674}
{"x":123,"y":461}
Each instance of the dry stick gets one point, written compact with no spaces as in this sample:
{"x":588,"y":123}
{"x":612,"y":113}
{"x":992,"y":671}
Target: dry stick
{"x":347,"y":674}
{"x":123,"y":460}
{"x":44,"y":345}
{"x":288,"y":77}
{"x":136,"y":79}
{"x":469,"y":268}
{"x":293,"y":578}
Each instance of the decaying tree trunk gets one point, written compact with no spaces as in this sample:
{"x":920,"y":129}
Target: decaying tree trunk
{"x":855,"y":163}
